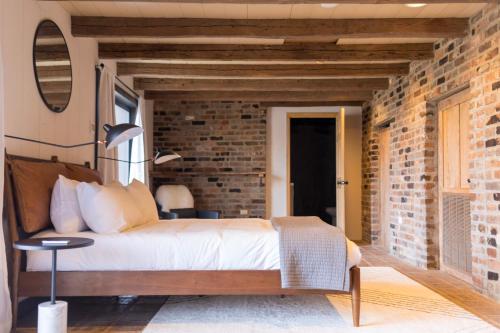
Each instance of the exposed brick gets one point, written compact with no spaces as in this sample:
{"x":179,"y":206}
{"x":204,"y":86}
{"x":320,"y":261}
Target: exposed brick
{"x":484,"y":46}
{"x":491,"y":31}
{"x":493,"y":119}
{"x":493,"y":276}
{"x":414,"y":174}
{"x":224,"y":142}
{"x":459,"y":61}
{"x":443,"y":60}
{"x":490,"y":143}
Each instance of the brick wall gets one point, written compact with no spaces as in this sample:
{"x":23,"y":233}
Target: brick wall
{"x":413,"y":221}
{"x":223,"y":145}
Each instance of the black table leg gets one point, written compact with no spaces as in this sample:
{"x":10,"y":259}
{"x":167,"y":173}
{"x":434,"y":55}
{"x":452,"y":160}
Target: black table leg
{"x":53,"y":278}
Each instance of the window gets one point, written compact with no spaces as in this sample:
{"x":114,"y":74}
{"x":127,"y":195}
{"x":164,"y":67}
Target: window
{"x":125,"y":112}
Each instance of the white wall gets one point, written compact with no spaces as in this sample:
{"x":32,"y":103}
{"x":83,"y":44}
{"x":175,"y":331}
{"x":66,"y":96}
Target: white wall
{"x":25,"y":113}
{"x":276,"y":182}
{"x":5,"y":306}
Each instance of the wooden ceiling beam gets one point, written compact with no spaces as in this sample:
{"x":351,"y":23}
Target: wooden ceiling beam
{"x":262,"y":71}
{"x":260,"y":53}
{"x":287,"y":2}
{"x":309,"y":104}
{"x":155,"y":84}
{"x":92,"y":26}
{"x":259,"y":96}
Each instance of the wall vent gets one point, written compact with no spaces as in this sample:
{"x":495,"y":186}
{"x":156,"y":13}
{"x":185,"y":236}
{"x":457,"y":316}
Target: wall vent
{"x":457,"y":253}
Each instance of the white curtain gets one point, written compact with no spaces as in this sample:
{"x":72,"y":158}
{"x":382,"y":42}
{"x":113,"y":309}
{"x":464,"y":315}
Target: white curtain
{"x":5,"y":305}
{"x":107,"y":168}
{"x":139,"y":171}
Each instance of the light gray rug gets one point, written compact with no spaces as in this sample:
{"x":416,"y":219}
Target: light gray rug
{"x":391,"y":302}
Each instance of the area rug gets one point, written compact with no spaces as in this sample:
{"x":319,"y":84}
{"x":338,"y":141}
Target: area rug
{"x":391,"y":302}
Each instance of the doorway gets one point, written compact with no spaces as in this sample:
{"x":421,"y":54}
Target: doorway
{"x":385,"y":187}
{"x":313,"y":169}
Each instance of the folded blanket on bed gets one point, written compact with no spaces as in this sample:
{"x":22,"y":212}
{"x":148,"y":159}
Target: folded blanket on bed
{"x":313,"y":254}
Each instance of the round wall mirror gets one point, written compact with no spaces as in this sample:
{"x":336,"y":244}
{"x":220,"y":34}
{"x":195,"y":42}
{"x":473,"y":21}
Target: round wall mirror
{"x":52,"y":66}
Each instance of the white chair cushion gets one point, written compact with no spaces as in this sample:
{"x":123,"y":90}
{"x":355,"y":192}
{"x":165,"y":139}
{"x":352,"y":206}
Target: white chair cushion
{"x":174,"y":197}
{"x":144,"y":200}
{"x":65,"y":211}
{"x":108,"y":209}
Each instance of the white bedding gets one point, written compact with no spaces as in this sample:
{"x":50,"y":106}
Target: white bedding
{"x":184,"y":244}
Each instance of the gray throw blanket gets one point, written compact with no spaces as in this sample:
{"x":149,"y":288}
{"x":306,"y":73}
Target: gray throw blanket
{"x":313,"y":254}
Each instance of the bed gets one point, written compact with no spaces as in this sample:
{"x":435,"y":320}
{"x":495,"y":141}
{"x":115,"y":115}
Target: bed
{"x":183,"y":244}
{"x":171,"y":257}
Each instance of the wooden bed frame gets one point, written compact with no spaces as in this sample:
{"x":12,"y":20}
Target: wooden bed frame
{"x":115,"y":283}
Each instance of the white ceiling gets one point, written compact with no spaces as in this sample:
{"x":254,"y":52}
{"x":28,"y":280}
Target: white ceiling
{"x":265,"y":11}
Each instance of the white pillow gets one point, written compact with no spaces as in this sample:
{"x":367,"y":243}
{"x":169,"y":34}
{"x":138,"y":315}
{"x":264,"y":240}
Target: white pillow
{"x":64,"y":207}
{"x":107,"y":209}
{"x":144,"y":200}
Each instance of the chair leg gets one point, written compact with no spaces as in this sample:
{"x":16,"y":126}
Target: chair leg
{"x":356,"y":294}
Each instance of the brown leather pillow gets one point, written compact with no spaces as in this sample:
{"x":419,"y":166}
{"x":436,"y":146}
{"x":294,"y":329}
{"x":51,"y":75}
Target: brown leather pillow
{"x":33,"y":183}
{"x":83,"y":174}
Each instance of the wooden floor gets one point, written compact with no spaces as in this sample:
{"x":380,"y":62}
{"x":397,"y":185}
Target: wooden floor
{"x":108,"y":314}
{"x":442,"y":283}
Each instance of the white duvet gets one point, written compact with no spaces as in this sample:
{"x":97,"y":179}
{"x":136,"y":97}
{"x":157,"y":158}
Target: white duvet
{"x":184,"y":244}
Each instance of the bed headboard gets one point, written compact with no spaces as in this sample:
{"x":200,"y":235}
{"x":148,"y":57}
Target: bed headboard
{"x":29,"y":184}
{"x":25,"y":178}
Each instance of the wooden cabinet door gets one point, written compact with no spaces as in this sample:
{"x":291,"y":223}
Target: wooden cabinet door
{"x":464,"y":145}
{"x":455,"y":148}
{"x":451,"y":148}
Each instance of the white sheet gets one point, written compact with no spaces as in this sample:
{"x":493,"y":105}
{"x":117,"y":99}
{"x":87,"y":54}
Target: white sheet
{"x":184,"y":244}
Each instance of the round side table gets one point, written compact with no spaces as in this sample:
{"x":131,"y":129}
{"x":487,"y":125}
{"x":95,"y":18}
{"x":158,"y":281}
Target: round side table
{"x":52,"y":316}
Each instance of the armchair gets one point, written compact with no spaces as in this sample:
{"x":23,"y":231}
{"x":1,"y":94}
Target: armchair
{"x":176,"y":202}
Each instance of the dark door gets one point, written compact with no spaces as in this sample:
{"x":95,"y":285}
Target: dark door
{"x":312,"y":167}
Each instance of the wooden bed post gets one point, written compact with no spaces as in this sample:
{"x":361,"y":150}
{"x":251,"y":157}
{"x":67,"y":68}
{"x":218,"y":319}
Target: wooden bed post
{"x":13,"y":255}
{"x":356,"y":294}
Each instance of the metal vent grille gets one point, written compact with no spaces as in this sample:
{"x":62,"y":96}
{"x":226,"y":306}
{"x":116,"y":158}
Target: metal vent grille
{"x":457,"y":252}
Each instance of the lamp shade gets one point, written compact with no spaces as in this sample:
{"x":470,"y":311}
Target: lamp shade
{"x":120,"y":133}
{"x":165,"y":156}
